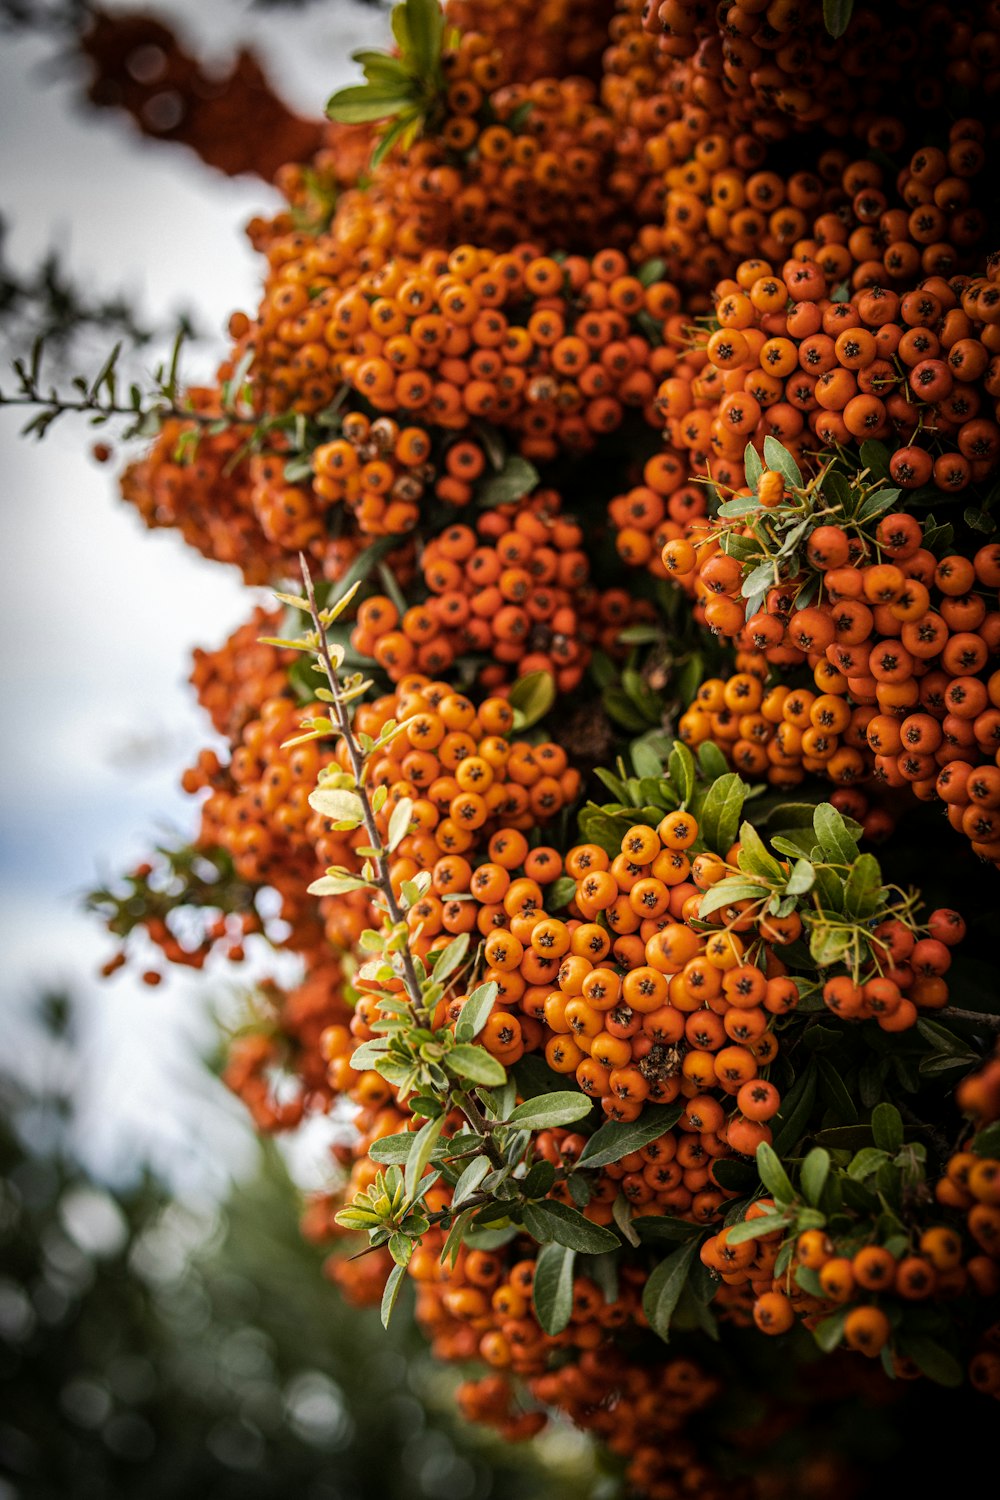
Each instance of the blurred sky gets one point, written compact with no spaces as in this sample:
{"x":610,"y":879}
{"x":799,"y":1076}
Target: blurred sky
{"x":98,"y":615}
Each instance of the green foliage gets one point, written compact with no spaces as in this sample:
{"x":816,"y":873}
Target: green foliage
{"x":406,"y":87}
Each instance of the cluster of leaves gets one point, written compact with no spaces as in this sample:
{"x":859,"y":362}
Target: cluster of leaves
{"x":848,"y":897}
{"x":405,"y":87}
{"x":774,"y":551}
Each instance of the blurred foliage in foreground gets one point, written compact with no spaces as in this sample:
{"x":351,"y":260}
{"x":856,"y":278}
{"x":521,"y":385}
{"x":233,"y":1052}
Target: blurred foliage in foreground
{"x":150,"y":1351}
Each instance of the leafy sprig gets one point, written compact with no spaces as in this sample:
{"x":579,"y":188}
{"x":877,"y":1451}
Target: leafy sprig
{"x":404,"y":89}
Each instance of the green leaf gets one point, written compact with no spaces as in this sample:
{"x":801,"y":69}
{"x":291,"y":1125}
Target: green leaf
{"x":728,"y":891}
{"x":405,"y":121}
{"x":836,"y":1092}
{"x":754,"y":856}
{"x":393,"y":1150}
{"x":421,"y":1154}
{"x":477,"y":1064}
{"x":551,"y":1221}
{"x":645,"y":760}
{"x":720,"y":813}
{"x":931,"y":1359}
{"x":621,"y":1212}
{"x":681,"y":770}
{"x":813,"y":1174}
{"x":531,"y":697}
{"x":941,"y":1039}
{"x":391,"y":1292}
{"x":552,"y":1291}
{"x":987,"y":1142}
{"x":834,"y":839}
{"x":778,"y":457}
{"x":652,"y":270}
{"x":662,"y":1291}
{"x":369,"y":1053}
{"x":829,"y":945}
{"x":340,"y":806}
{"x":829,"y":1332}
{"x":653,"y":1227}
{"x":875,"y":505}
{"x":759,"y":579}
{"x":449,"y":958}
{"x":336,"y":885}
{"x":801,"y":879}
{"x":425,"y":36}
{"x":516,"y":479}
{"x":470,"y":1179}
{"x":551,"y":1110}
{"x":539,"y":1180}
{"x":863,"y":887}
{"x":399,"y":823}
{"x":753,"y":1229}
{"x":865,"y":1163}
{"x":887,"y":1128}
{"x":476,"y":1011}
{"x":365,"y":102}
{"x":734,"y":1176}
{"x":753,"y":466}
{"x":711,"y":761}
{"x":874,"y":455}
{"x":619,"y":1138}
{"x":381,"y":66}
{"x":560,"y":893}
{"x":773,"y":1175}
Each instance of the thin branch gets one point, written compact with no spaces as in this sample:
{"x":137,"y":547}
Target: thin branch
{"x":383,"y":880}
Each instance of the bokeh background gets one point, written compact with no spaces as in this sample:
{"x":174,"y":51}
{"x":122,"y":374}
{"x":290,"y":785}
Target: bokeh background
{"x":163,"y":1330}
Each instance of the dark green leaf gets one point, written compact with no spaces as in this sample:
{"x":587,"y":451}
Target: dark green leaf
{"x":560,"y":893}
{"x":736,"y":1176}
{"x":829,"y":1332}
{"x":551,"y":1110}
{"x":874,"y":455}
{"x":551,"y":1221}
{"x":987,"y":1142}
{"x":836,"y":1093}
{"x":813,"y":1174}
{"x":663,"y":1289}
{"x":516,"y":479}
{"x":887,"y":1128}
{"x":866,"y":1162}
{"x":773,"y":1175}
{"x":720,"y":812}
{"x":617,"y":1138}
{"x":863,"y":887}
{"x":931,"y":1359}
{"x":552,"y":1291}
{"x":391,"y":1292}
{"x":681,"y":770}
